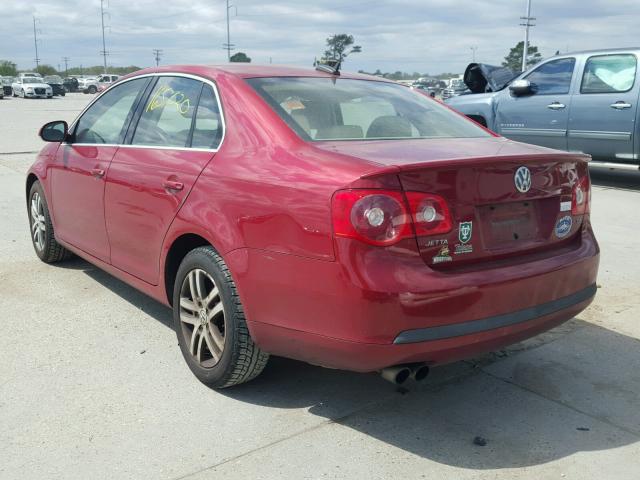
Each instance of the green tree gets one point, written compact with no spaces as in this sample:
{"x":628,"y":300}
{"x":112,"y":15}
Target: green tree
{"x":514,"y":59}
{"x":338,"y":47}
{"x":240,"y":57}
{"x":99,"y":70}
{"x":8,"y":69}
{"x":45,"y":70}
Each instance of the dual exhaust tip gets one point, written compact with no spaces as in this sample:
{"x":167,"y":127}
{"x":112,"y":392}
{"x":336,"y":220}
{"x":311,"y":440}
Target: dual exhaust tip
{"x":399,"y":374}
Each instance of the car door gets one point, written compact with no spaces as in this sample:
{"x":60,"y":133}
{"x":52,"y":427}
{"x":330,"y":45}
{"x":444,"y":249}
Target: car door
{"x":150,"y":178}
{"x":81,"y":166}
{"x":603,"y":111}
{"x":542,"y":117}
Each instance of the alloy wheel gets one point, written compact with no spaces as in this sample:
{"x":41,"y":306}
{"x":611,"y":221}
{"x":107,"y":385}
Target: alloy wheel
{"x":202,"y":318}
{"x":38,"y":223}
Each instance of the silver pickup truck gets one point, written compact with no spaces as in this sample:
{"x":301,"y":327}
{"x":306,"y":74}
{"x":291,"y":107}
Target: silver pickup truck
{"x":580,"y":102}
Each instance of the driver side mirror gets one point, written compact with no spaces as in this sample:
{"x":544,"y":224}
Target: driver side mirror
{"x":54,"y":131}
{"x":520,"y":88}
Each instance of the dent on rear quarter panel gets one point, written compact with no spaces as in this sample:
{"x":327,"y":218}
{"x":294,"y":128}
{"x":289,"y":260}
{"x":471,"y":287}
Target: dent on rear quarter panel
{"x":266,"y":189}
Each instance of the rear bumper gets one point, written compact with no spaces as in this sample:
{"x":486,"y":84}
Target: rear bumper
{"x":371,"y":309}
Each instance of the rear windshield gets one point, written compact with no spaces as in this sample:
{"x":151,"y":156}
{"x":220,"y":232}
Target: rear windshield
{"x":348,"y":109}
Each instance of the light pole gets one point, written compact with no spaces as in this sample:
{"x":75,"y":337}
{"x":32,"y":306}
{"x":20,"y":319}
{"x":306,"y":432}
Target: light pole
{"x":229,"y":46}
{"x":104,"y":43}
{"x":473,"y":49}
{"x":527,"y":23}
{"x":35,"y":42}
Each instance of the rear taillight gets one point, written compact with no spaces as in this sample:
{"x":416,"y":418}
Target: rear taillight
{"x":430,"y":213}
{"x":384,"y":217}
{"x":581,"y":196}
{"x":378,"y":217}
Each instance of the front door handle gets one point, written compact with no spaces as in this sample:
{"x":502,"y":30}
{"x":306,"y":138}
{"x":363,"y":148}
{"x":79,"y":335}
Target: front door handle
{"x":556,"y":106}
{"x":171,"y":185}
{"x":620,"y":105}
{"x":97,"y":172}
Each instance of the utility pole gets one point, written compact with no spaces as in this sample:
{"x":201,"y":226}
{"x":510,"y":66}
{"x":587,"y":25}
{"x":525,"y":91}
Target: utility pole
{"x":527,"y":23}
{"x":104,"y":43}
{"x":35,"y":42}
{"x":157,"y":53}
{"x":473,"y":49}
{"x":229,"y":46}
{"x":66,"y":65}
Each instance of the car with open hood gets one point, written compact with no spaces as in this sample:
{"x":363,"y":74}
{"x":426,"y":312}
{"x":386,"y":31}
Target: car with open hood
{"x":339,"y":219}
{"x":580,"y":102}
{"x":56,"y":83}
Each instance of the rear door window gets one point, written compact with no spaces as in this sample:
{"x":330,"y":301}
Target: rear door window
{"x":554,"y":77}
{"x":609,"y":74}
{"x":168,"y":114}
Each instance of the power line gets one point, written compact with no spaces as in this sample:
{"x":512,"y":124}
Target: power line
{"x":66,"y":64}
{"x":527,"y":23}
{"x":157,"y":53}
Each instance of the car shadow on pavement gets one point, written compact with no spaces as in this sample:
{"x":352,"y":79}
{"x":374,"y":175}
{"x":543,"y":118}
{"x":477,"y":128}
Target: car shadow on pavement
{"x":530,"y":405}
{"x":622,"y":179}
{"x":136,"y":298}
{"x":573,"y":389}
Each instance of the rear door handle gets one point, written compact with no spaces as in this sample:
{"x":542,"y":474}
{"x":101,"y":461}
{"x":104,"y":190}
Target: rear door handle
{"x":171,"y":185}
{"x":97,"y":172}
{"x":556,"y":106}
{"x":620,"y":105}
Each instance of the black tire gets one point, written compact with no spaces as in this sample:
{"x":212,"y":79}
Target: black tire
{"x":92,"y":89}
{"x":50,"y":251}
{"x":240,"y":359}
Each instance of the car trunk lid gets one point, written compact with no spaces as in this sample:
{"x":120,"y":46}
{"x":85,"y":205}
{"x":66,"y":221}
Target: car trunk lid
{"x":492,"y":219}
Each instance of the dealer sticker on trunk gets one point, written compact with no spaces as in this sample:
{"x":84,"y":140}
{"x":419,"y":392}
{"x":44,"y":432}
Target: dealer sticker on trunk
{"x":563,"y":226}
{"x":465,"y":231}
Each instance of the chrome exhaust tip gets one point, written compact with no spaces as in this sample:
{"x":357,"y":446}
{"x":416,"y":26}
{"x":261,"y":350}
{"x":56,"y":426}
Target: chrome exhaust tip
{"x":396,"y":375}
{"x":420,"y":372}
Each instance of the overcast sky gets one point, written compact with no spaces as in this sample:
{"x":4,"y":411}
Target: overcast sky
{"x":410,"y":35}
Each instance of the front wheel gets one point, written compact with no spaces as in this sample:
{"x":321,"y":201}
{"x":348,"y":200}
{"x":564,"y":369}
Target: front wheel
{"x":210,"y":324}
{"x":42,"y":235}
{"x":92,"y":90}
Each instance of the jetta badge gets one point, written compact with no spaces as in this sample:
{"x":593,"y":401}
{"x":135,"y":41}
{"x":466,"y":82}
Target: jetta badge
{"x":522,"y":179}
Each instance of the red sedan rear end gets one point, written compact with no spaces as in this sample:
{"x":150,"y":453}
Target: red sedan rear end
{"x":342,"y":220}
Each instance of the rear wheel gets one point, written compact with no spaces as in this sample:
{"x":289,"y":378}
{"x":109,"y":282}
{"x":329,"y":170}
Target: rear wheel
{"x":92,"y":89}
{"x":42,"y":235}
{"x":210,"y":324}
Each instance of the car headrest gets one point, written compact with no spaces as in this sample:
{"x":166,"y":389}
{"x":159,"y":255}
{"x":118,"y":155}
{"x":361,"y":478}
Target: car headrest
{"x":339,"y":132}
{"x":389,"y":126}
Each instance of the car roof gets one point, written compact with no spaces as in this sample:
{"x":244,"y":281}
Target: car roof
{"x":248,"y":70}
{"x":597,"y":51}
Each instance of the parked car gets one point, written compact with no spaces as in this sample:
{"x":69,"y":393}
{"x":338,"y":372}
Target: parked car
{"x":6,"y":85}
{"x":456,"y":88}
{"x":31,"y":87}
{"x":393,"y":236}
{"x":70,"y":84}
{"x":580,"y":102}
{"x":56,"y":84}
{"x":94,"y":84}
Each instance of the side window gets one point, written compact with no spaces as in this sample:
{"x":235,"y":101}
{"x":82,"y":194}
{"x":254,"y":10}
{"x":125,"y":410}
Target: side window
{"x":167,"y":116}
{"x":553,"y":78}
{"x":609,"y":74}
{"x":106,"y":120}
{"x":207,"y":131}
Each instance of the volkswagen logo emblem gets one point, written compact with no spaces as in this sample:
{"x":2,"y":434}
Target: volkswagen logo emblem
{"x":522,"y":179}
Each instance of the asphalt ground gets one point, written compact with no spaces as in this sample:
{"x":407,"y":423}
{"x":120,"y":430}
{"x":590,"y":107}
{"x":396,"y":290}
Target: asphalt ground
{"x":92,"y":383}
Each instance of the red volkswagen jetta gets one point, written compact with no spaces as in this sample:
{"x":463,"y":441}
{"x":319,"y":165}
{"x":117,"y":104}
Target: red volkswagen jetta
{"x":343,"y":220}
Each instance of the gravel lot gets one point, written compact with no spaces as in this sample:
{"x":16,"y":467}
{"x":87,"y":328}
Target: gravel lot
{"x":92,"y":384}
